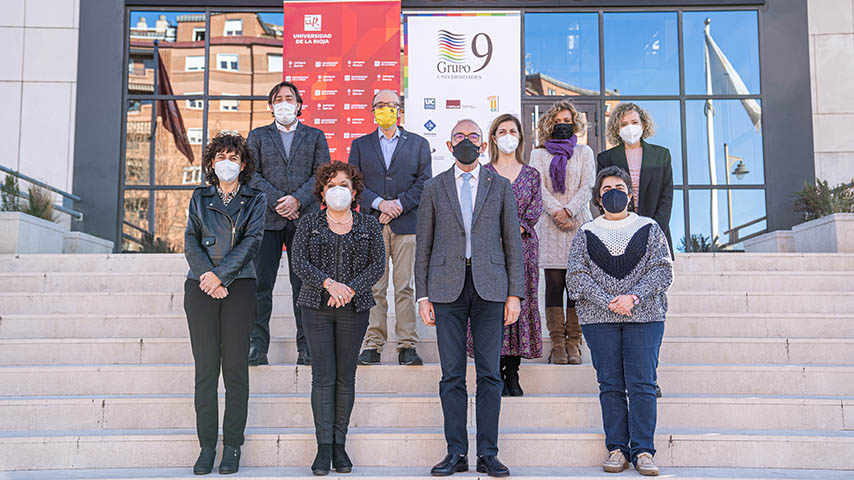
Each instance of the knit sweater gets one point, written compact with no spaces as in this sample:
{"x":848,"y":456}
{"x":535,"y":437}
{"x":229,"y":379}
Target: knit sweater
{"x":609,"y":258}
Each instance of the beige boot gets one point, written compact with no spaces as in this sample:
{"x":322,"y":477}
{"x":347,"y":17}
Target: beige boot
{"x":646,"y":466}
{"x":555,"y":324}
{"x":573,"y":337}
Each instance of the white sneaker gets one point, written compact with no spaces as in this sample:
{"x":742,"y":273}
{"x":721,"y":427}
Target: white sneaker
{"x":616,"y":462}
{"x":646,"y":466}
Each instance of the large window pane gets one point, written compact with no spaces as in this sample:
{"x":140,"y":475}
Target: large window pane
{"x":250,"y":114}
{"x":736,"y":36}
{"x":172,"y":152}
{"x":245,"y":52}
{"x":733,"y":132}
{"x":561,"y":54}
{"x":641,"y":53}
{"x":677,"y":220}
{"x":710,"y":215}
{"x":166,"y":233}
{"x":181,"y":48}
{"x":668,"y":129}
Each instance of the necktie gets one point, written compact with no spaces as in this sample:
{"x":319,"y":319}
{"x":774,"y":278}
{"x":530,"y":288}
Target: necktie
{"x":466,"y":206}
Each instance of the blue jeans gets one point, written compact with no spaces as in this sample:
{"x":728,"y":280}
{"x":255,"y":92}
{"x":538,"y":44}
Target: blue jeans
{"x":625,"y":356}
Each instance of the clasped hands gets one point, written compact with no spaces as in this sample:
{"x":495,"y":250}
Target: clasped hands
{"x":622,"y":305}
{"x":389,"y":210}
{"x":288,"y":207}
{"x":211,"y":284}
{"x":512,"y":309}
{"x":562,"y":218}
{"x":339,"y":293}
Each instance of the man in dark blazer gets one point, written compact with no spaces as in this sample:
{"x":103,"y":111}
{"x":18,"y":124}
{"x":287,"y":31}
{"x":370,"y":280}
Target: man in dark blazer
{"x":655,"y":192}
{"x":287,"y":154}
{"x":395,"y":163}
{"x":469,"y":265}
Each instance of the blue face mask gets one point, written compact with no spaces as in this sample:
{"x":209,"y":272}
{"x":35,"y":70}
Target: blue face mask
{"x":615,"y":201}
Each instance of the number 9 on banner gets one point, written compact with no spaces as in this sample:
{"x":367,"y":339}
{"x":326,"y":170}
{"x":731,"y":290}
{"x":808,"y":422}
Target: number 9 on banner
{"x":476,"y":52}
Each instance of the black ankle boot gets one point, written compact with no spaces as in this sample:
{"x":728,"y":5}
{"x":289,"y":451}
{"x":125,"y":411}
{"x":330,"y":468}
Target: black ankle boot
{"x":340,"y":460}
{"x":322,"y":460}
{"x":230,"y":460}
{"x":205,"y":462}
{"x":512,"y":380}
{"x":503,"y":369}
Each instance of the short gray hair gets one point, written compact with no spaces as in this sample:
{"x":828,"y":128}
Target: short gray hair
{"x":387,"y":90}
{"x":479,"y":130}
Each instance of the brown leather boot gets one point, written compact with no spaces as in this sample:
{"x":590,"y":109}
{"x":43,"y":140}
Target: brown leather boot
{"x":555,"y":323}
{"x":573,"y":337}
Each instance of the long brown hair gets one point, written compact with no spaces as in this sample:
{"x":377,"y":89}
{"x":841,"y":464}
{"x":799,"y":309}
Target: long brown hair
{"x":493,"y":145}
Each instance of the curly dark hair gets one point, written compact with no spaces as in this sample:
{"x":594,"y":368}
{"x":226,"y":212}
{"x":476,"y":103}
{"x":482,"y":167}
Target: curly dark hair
{"x":612,"y":171}
{"x":227,"y":142}
{"x":327,"y":171}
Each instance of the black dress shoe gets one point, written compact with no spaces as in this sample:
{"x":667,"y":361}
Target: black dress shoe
{"x":408,"y":356}
{"x":322,"y":460}
{"x":257,"y":357}
{"x":340,"y":460}
{"x":451,"y":464}
{"x":303,"y":359}
{"x":205,"y":462}
{"x":370,"y":357}
{"x":230,"y":460}
{"x":490,"y":465}
{"x":657,"y":391}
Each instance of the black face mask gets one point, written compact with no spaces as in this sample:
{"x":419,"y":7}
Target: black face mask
{"x":466,"y":152}
{"x":563,"y":131}
{"x":615,"y":201}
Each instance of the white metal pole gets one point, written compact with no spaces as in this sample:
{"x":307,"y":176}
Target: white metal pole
{"x":710,"y":136}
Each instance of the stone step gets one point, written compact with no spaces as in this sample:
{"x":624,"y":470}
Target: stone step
{"x":422,"y":473}
{"x":685,"y":262}
{"x":710,"y":302}
{"x":423,"y":447}
{"x":136,"y":325}
{"x":111,"y":412}
{"x":47,"y":351}
{"x":173,"y":282}
{"x":675,"y":379}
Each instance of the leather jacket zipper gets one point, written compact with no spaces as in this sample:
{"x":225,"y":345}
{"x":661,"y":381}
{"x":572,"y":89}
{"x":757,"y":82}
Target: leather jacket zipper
{"x":233,"y":225}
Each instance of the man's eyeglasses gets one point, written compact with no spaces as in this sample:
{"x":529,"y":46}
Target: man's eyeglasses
{"x":460,"y":136}
{"x":386,"y":105}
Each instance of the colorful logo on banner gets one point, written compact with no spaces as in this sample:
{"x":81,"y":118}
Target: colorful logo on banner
{"x":339,"y":54}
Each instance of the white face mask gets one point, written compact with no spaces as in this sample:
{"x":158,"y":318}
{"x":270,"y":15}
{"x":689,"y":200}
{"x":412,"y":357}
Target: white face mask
{"x":285,"y":112}
{"x":227,"y":170}
{"x":338,"y":198}
{"x":631,"y":134}
{"x":508,"y":143}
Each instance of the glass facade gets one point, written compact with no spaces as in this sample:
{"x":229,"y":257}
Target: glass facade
{"x":194,"y":74}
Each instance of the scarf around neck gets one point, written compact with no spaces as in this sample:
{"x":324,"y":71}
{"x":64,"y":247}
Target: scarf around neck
{"x":562,"y":152}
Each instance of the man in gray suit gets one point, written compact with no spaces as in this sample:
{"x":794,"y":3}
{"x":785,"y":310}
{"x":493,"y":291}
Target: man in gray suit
{"x":287,"y":154}
{"x":469,"y":265}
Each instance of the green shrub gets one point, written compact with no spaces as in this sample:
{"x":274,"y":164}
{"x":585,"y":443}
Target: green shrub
{"x":40,"y":204}
{"x":819,"y":200}
{"x":9,"y":193}
{"x":700,"y":243}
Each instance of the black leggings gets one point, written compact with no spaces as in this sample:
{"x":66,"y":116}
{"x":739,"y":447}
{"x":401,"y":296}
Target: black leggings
{"x":556,"y":288}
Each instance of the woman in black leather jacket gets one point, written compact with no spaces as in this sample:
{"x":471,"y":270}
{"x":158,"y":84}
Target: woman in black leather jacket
{"x":225,"y":223}
{"x":339,"y":254}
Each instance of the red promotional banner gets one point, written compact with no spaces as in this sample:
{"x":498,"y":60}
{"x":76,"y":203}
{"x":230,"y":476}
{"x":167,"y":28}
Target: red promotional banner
{"x":339,"y":54}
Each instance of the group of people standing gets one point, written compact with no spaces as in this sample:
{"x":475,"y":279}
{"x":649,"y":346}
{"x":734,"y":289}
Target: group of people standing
{"x":472,"y":239}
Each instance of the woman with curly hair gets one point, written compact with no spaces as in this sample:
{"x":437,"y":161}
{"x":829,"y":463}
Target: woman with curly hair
{"x":225,"y":223}
{"x":567,"y":170}
{"x":339,"y":254}
{"x":648,"y":164}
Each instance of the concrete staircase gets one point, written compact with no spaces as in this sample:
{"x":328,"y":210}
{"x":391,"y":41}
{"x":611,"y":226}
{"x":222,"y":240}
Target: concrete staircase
{"x":96,"y":380}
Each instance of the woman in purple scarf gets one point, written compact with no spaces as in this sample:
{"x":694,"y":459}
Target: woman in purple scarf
{"x":568,"y":171}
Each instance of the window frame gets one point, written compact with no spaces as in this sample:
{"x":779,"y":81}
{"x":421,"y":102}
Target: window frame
{"x":236,"y":62}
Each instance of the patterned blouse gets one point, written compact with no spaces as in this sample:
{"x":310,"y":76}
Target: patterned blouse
{"x":356,"y":259}
{"x":609,"y":258}
{"x":226,"y":197}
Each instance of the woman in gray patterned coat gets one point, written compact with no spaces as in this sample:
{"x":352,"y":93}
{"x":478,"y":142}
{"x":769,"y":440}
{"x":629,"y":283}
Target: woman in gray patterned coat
{"x":619,"y":270}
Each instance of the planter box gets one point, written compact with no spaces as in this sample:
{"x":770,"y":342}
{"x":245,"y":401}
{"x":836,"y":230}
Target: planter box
{"x":79,"y":242}
{"x":22,"y":233}
{"x":830,"y":234}
{"x":780,"y":241}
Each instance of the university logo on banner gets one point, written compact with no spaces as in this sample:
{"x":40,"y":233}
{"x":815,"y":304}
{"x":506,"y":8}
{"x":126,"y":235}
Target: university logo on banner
{"x":456,"y":54}
{"x":312,"y":23}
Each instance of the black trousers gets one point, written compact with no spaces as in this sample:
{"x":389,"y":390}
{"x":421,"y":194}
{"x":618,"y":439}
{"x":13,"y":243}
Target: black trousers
{"x":266,"y":268}
{"x":487,"y":330}
{"x":219,"y":335}
{"x":335,"y":336}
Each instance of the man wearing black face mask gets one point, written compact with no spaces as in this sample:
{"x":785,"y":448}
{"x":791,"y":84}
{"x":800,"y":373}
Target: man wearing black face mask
{"x":469,"y":265}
